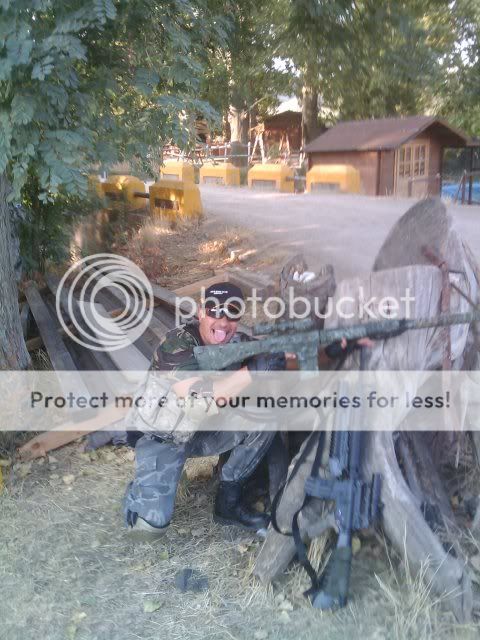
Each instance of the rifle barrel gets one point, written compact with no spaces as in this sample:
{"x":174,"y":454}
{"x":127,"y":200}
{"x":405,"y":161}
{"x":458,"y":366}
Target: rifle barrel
{"x":305,"y":343}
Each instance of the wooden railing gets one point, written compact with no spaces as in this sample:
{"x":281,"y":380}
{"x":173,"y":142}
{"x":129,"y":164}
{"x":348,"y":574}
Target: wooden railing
{"x":436,"y":178}
{"x":467,"y":177}
{"x":223,"y":153}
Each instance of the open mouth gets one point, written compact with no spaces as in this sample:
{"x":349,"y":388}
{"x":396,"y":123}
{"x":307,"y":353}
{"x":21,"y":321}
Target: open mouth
{"x":219,"y":335}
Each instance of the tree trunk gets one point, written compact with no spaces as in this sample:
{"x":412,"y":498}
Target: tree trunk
{"x":13,"y":352}
{"x":310,"y":127}
{"x":237,"y":118}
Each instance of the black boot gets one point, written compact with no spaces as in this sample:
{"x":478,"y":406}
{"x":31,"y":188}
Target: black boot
{"x":229,"y":509}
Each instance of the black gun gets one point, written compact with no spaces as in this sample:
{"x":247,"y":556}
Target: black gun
{"x":357,"y":506}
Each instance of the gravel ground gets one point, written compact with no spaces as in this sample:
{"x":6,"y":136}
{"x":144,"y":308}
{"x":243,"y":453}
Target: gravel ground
{"x":345,"y":230}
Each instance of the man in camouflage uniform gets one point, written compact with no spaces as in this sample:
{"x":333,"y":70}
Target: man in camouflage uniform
{"x":161,"y":453}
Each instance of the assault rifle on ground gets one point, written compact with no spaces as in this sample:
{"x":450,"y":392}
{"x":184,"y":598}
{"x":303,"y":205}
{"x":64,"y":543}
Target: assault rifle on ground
{"x":302,"y":338}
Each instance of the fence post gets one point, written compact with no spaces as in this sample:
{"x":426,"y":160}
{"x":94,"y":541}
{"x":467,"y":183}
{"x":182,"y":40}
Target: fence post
{"x":464,"y":184}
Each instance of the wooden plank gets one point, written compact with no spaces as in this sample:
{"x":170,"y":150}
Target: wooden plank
{"x":158,"y":327}
{"x":128,"y":358}
{"x":85,"y":359}
{"x":125,"y":359}
{"x":169,"y":298}
{"x":49,"y":440}
{"x":165,"y":316}
{"x":102,"y":358}
{"x":195,"y":287}
{"x":249,"y":280}
{"x":56,"y":349}
{"x":24,"y":313}
{"x":148,"y":341}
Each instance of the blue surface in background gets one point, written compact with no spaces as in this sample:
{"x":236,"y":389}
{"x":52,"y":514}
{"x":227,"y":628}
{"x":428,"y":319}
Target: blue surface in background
{"x":450,"y":191}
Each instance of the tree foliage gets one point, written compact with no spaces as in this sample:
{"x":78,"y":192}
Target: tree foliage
{"x":83,"y":81}
{"x":368,"y":58}
{"x":242,"y":75}
{"x":458,"y":92}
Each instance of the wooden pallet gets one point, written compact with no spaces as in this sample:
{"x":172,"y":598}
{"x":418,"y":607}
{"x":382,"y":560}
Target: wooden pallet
{"x":67,"y":355}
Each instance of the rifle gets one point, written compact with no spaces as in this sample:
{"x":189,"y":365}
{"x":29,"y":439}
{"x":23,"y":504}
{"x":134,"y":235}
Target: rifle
{"x":357,"y":506}
{"x":304,"y":339}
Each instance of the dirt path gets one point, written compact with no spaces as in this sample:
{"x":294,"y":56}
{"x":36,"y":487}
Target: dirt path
{"x":344,"y":230}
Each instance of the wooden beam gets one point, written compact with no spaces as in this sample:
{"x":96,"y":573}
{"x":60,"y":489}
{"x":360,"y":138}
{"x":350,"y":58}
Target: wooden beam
{"x":196,"y":287}
{"x":59,"y":356}
{"x":38,"y":446}
{"x":24,"y":313}
{"x":158,"y":328}
{"x":128,"y":358}
{"x":249,"y":280}
{"x":169,"y":298}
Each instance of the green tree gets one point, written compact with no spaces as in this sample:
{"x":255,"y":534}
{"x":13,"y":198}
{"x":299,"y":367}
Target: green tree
{"x":83,"y":81}
{"x":391,"y":59}
{"x":308,"y":38}
{"x":365,"y":58}
{"x":458,"y":89}
{"x":242,"y":80}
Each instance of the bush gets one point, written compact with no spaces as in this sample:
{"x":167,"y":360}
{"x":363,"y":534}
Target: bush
{"x":46,"y":228}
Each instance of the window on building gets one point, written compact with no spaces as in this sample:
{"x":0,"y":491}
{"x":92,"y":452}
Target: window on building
{"x":412,"y":161}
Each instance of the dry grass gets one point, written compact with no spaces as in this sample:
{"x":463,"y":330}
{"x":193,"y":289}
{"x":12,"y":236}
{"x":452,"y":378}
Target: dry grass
{"x":184,"y":254}
{"x":68,"y":570}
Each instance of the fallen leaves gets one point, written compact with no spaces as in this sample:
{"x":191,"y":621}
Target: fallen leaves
{"x":150,"y":606}
{"x":23,"y":469}
{"x":72,"y":628}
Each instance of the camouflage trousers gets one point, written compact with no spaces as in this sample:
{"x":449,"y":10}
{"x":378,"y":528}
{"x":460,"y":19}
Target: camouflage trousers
{"x":159,"y":465}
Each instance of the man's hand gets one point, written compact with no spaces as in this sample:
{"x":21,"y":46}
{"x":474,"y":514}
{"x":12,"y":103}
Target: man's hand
{"x":267,"y":362}
{"x":343,"y":347}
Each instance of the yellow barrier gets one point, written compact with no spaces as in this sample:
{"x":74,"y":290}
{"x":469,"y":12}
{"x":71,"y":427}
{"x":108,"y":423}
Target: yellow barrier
{"x":268,"y":177}
{"x":223,"y":173}
{"x":175,"y":197}
{"x":123,"y":189}
{"x":177,"y":170}
{"x":95,"y":185}
{"x":333,"y":177}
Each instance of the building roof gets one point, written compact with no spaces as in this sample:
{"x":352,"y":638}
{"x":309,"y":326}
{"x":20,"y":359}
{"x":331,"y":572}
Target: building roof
{"x":382,"y":133}
{"x":284,"y":115}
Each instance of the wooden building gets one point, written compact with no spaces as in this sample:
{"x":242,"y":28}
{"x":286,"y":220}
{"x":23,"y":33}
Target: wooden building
{"x":395,"y":156}
{"x":284,"y":129}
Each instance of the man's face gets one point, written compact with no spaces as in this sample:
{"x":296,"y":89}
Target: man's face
{"x":216,"y":331}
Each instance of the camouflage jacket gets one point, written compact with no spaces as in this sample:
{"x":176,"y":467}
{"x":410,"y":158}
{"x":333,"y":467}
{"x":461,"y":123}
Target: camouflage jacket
{"x":167,"y":420}
{"x":175,"y":353}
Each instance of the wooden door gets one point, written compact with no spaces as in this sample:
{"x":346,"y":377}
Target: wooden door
{"x":411,"y":166}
